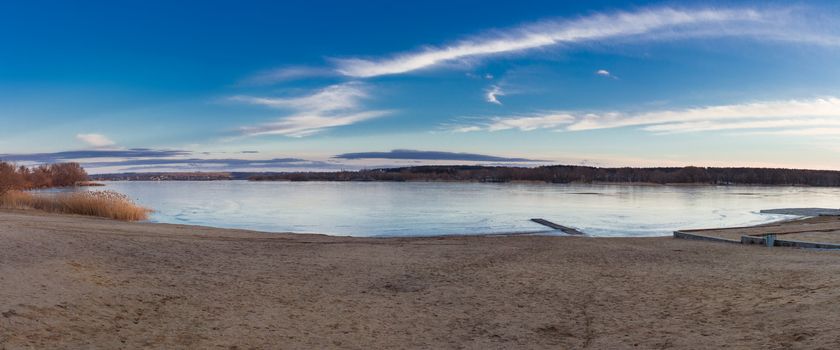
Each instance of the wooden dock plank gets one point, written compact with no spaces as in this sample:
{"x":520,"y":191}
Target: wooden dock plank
{"x":565,"y":229}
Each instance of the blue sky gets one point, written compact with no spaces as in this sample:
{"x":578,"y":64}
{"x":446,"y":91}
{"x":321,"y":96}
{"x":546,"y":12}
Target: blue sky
{"x":248,"y":85}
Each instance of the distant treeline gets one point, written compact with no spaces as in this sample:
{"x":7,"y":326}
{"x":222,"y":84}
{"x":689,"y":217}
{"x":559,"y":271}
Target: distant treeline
{"x":575,"y":174}
{"x":44,"y":176}
{"x":179,"y":176}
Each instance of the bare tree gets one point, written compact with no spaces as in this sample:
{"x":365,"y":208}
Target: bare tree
{"x":9,"y":178}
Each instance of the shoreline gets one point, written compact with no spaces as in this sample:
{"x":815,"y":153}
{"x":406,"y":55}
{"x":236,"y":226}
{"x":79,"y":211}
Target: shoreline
{"x":77,"y":282}
{"x":512,"y":182}
{"x":534,"y":232}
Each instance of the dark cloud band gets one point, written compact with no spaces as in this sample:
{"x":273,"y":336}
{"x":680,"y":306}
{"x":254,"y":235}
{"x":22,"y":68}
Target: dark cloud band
{"x":430,"y":155}
{"x":66,"y":156}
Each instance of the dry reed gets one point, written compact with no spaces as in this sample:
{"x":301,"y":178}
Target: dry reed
{"x":106,"y":204}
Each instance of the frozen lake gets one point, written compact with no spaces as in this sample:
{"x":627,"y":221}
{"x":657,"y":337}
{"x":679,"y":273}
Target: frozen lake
{"x":429,"y":208}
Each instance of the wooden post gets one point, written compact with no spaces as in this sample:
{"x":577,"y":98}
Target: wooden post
{"x":770,"y":240}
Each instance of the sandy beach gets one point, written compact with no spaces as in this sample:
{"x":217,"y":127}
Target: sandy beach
{"x":75,"y":282}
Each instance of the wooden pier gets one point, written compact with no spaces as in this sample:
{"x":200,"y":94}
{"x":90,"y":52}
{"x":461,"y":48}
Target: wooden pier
{"x":565,"y":229}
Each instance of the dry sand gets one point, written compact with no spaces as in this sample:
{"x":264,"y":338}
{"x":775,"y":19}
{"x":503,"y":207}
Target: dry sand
{"x":73,"y":282}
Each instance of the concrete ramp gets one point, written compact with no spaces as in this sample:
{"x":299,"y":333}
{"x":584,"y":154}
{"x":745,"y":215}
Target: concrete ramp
{"x":804,"y":211}
{"x":815,"y":232}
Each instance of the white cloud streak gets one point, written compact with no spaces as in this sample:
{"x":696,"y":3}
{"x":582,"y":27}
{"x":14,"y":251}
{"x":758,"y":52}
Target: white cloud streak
{"x":820,"y":107}
{"x":820,"y":115}
{"x":307,"y":125}
{"x":813,"y":132}
{"x":593,"y":28}
{"x":333,"y":106}
{"x":95,"y":140}
{"x":676,"y":128}
{"x":523,"y":123}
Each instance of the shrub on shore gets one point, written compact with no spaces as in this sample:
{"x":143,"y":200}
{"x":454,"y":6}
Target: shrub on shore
{"x":43,"y":176}
{"x":106,"y":204}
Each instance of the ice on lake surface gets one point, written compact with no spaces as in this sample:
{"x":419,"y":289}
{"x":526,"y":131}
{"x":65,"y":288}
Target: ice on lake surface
{"x":433,"y":208}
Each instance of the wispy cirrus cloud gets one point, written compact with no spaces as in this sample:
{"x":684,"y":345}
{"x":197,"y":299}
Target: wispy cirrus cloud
{"x":333,"y":106}
{"x":816,"y":114}
{"x":799,"y":25}
{"x":799,"y":109}
{"x":331,"y":98}
{"x":832,"y":132}
{"x":523,"y":123}
{"x":676,"y":128}
{"x":549,"y":33}
{"x":306,"y":125}
{"x":285,"y":74}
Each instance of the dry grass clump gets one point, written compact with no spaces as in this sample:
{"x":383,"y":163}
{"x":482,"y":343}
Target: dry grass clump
{"x":106,"y":204}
